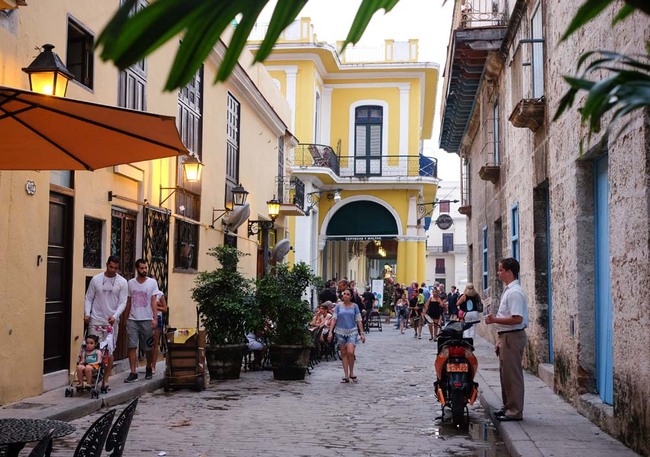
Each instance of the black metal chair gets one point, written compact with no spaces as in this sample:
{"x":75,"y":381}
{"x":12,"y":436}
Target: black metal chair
{"x":120,"y":430}
{"x":44,"y":446}
{"x":92,"y":443}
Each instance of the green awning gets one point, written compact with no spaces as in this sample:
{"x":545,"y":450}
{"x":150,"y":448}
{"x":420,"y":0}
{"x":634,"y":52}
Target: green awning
{"x":362,"y":219}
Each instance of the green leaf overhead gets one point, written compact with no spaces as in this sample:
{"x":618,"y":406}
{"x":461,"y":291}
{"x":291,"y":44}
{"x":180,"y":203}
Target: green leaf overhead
{"x":367,"y":9}
{"x":199,"y":24}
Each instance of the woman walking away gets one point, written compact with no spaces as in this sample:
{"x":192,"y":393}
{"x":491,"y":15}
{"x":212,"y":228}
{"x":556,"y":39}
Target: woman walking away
{"x":346,"y":324}
{"x":470,"y":304}
{"x":433,"y":309}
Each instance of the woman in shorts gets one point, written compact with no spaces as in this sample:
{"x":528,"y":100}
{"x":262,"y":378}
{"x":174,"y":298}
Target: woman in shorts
{"x":346,"y":324}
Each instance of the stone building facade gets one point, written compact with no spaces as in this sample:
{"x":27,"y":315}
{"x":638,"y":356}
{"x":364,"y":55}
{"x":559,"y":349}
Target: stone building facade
{"x":577,"y":219}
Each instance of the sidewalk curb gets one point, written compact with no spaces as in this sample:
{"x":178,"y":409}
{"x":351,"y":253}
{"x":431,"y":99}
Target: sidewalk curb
{"x":513,"y":434}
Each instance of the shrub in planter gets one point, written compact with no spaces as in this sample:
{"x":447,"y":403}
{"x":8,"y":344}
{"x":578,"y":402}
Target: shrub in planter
{"x":279,"y":297}
{"x":226,"y":307}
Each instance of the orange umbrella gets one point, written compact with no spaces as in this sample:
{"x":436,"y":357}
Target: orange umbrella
{"x":43,"y":132}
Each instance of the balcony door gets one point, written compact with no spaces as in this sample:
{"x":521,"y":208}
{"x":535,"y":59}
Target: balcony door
{"x":368,"y":125}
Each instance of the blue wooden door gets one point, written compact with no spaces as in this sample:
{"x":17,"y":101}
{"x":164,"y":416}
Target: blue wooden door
{"x":549,"y":284}
{"x":603,"y":308}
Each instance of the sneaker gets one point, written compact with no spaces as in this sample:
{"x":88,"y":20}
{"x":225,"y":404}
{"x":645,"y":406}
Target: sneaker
{"x":148,"y":374}
{"x":133,"y":377}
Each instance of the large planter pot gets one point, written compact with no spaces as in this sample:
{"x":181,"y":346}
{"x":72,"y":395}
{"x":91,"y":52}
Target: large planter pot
{"x":224,"y":361}
{"x":289,"y":362}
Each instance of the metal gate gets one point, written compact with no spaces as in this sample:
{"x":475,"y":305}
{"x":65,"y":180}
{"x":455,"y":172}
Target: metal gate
{"x":155,"y":247}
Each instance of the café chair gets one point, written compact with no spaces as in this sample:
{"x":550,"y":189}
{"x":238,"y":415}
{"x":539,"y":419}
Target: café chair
{"x":92,"y":443}
{"x":44,"y":446}
{"x":120,"y":430}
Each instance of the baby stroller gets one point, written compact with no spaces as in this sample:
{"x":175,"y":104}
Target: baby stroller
{"x":97,"y":385}
{"x":374,"y":320}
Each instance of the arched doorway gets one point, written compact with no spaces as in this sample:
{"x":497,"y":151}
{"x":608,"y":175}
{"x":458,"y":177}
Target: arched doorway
{"x":360,"y":239}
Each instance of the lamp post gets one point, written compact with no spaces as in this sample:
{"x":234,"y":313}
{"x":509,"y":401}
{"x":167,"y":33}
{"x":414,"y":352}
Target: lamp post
{"x":47,"y":74}
{"x":254,"y":227}
{"x":192,"y":168}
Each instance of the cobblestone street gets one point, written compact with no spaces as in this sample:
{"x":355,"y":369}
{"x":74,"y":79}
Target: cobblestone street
{"x":390,"y":412}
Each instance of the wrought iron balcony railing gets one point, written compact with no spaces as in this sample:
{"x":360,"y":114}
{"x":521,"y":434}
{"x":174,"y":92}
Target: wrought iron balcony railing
{"x":322,"y":156}
{"x":482,"y":13}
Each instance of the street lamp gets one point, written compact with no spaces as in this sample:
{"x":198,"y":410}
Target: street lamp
{"x":47,"y":74}
{"x":273,"y":208}
{"x":192,"y":168}
{"x":239,"y":195}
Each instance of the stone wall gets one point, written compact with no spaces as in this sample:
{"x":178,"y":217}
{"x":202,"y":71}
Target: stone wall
{"x":552,"y":181}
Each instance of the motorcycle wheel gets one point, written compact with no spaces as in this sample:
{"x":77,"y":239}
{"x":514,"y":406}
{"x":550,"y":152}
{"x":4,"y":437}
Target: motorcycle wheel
{"x":457,"y":408}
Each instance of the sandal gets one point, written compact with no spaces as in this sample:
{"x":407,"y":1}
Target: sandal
{"x":345,"y":381}
{"x":354,"y":379}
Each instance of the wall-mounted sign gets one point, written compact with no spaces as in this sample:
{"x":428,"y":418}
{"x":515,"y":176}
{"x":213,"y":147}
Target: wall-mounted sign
{"x":444,"y":221}
{"x":30,"y":187}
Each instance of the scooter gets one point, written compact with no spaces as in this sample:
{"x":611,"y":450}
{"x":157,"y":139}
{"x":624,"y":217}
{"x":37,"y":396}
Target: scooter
{"x":455,"y":366}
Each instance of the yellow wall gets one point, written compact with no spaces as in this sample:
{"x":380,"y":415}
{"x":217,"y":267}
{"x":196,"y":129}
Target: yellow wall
{"x":24,"y":223}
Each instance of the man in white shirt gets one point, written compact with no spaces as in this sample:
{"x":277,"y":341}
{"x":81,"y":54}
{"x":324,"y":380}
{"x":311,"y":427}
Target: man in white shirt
{"x":511,"y":320}
{"x":142,"y":307}
{"x":105,"y":301}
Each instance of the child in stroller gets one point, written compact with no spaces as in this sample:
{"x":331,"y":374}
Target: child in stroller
{"x":90,"y":368}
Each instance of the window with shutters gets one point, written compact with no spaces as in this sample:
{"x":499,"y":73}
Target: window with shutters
{"x":484,"y":260}
{"x":132,"y":84}
{"x":538,"y":52}
{"x":447,"y":242}
{"x":232,"y":145}
{"x":190,"y":126}
{"x":514,"y":231}
{"x":368,"y":135}
{"x":80,"y":53}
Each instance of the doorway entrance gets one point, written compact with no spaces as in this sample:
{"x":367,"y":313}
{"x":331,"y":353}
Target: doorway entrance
{"x":58,"y":291}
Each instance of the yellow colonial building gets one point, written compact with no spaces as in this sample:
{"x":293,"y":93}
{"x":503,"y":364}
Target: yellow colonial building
{"x":58,"y":227}
{"x":361,"y":116}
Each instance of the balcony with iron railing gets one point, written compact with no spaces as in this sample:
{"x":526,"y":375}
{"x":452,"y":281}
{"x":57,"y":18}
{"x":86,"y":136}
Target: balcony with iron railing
{"x":482,"y":13}
{"x":491,"y":168}
{"x":478,"y":32}
{"x":395,"y":166}
{"x":457,"y":249}
{"x":291,"y":194}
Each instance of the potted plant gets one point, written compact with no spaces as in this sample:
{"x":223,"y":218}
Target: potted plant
{"x":279,"y":297}
{"x":226,"y":306}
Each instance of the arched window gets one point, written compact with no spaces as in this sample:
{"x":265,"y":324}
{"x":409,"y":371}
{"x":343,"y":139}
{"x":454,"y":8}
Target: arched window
{"x":368,"y":121}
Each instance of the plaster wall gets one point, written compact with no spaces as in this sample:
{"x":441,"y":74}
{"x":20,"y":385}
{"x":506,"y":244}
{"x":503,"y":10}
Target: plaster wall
{"x":24,"y":224}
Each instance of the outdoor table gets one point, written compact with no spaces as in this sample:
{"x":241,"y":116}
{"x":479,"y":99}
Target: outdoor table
{"x":15,"y":433}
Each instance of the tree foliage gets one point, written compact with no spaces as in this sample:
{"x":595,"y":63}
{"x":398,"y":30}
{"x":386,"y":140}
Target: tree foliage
{"x":129,"y":37}
{"x":281,"y":305}
{"x":224,"y":298}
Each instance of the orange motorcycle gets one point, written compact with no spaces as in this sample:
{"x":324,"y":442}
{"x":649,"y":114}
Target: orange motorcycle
{"x":456,"y":366}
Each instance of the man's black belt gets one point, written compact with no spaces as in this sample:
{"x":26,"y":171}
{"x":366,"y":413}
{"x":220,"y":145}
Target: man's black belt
{"x":510,"y":331}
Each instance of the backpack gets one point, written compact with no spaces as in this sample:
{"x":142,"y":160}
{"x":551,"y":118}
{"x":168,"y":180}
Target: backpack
{"x":469,"y":303}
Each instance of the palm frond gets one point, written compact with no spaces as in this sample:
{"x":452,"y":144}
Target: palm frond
{"x":625,"y":89}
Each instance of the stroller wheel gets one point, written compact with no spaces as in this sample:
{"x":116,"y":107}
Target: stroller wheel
{"x":94,"y":393}
{"x":103,"y":389}
{"x":68,"y":392}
